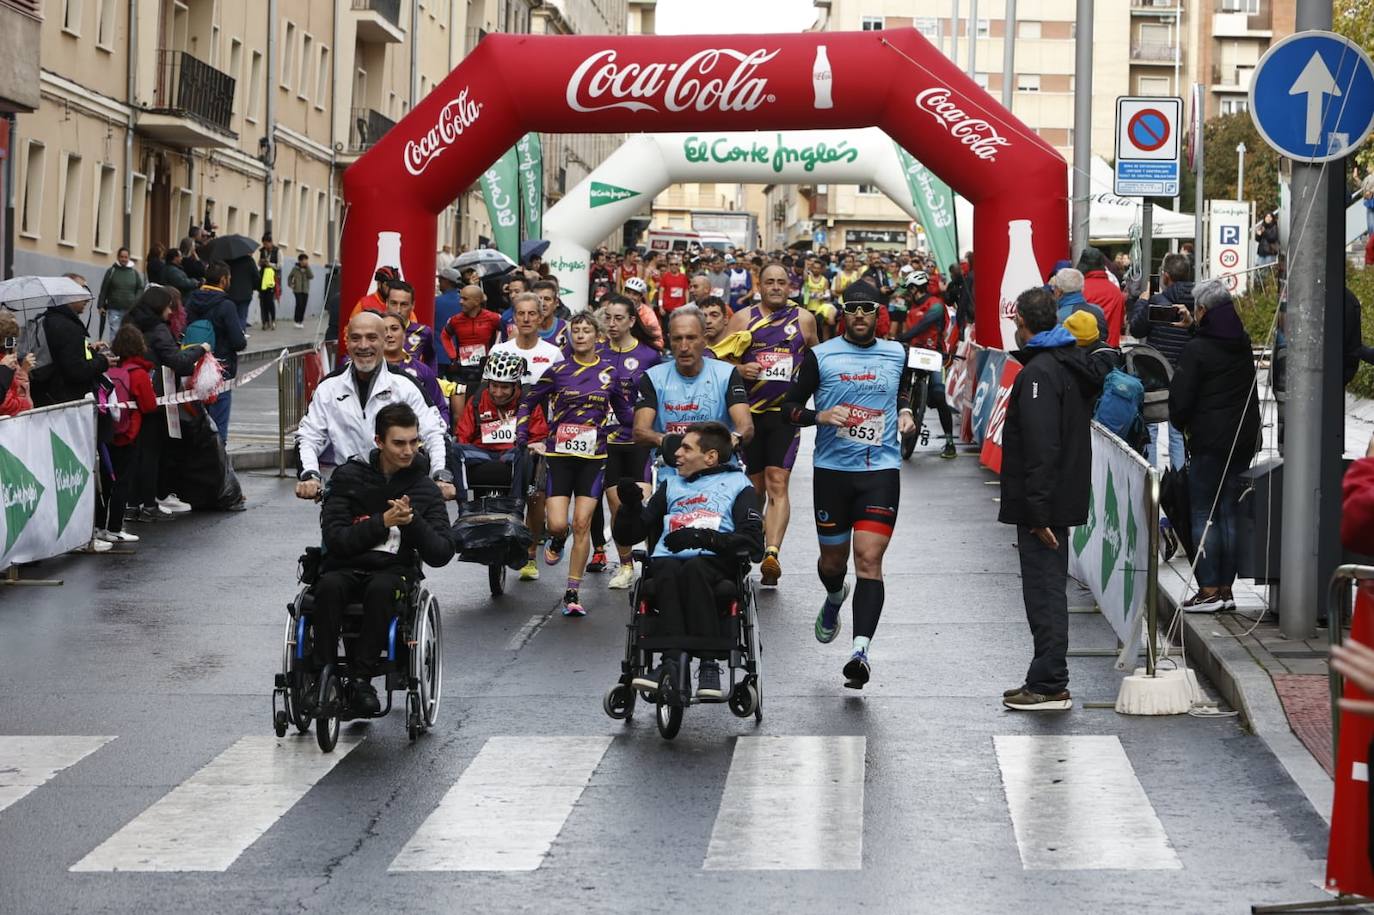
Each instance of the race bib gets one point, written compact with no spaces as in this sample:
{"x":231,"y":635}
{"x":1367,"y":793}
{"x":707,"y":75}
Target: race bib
{"x":718,"y":292}
{"x":865,"y":425}
{"x":393,"y":541}
{"x":774,"y":366}
{"x":923,"y":360}
{"x":700,"y":518}
{"x":677,"y":428}
{"x":499,"y":432}
{"x":572,"y":438}
{"x":471,"y":354}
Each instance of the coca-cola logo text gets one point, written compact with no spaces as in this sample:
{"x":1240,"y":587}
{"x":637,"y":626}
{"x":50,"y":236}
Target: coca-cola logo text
{"x":978,"y":135}
{"x":454,"y":118}
{"x":693,"y":83}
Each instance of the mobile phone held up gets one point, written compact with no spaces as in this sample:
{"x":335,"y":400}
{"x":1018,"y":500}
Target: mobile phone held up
{"x":10,"y":344}
{"x":1164,"y":314}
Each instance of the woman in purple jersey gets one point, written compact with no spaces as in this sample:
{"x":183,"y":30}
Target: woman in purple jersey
{"x":629,"y":348}
{"x":583,"y":404}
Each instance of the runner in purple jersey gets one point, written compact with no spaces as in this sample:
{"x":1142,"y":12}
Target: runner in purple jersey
{"x":583,"y":404}
{"x":779,"y":333}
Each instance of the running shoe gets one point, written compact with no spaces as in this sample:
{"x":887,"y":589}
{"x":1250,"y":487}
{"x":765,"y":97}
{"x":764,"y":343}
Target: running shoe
{"x":362,"y":697}
{"x":598,"y":562}
{"x":553,"y":551}
{"x":1008,"y":693}
{"x":1026,"y":701}
{"x":623,"y":578}
{"x":857,"y":670}
{"x":828,"y":620}
{"x":95,"y":546}
{"x":1204,"y":603}
{"x":173,"y":504}
{"x":529,"y":571}
{"x":949,"y":453}
{"x":648,"y":680}
{"x":770,"y":570}
{"x":708,"y":680}
{"x":572,"y":606}
{"x":116,"y":536}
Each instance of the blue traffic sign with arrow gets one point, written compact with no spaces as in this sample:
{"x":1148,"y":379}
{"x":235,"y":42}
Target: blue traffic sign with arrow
{"x":1312,"y":96}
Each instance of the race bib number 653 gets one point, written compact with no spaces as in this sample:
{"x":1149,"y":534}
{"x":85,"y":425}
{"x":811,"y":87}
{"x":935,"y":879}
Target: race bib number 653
{"x":865,"y":425}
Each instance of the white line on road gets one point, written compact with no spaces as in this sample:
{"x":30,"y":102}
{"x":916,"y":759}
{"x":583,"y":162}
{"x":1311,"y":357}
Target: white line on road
{"x":507,"y":808}
{"x":527,"y":631}
{"x":207,"y":821}
{"x":791,"y":803}
{"x":27,"y":762}
{"x":1076,"y":805}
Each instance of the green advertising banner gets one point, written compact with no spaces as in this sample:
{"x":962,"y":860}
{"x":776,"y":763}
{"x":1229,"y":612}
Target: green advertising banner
{"x":500,"y":187}
{"x":935,"y":201}
{"x":530,"y":151}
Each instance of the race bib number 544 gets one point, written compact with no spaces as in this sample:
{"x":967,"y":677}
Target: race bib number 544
{"x":774,"y":366}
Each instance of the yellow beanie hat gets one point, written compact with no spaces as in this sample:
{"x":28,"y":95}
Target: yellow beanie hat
{"x":1083,"y":326}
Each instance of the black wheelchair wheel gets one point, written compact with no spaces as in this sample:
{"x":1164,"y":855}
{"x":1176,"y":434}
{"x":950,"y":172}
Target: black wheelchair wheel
{"x":619,"y":702}
{"x":669,"y":719}
{"x":496,"y":578}
{"x":331,"y":701}
{"x":412,"y":716}
{"x":427,"y":662}
{"x":295,"y":702}
{"x":279,"y":722}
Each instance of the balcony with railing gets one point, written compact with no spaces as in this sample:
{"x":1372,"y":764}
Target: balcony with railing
{"x":366,"y":127}
{"x":1243,"y":19}
{"x":1231,"y":79}
{"x":1146,"y":52}
{"x":379,"y":21}
{"x":193,"y":103}
{"x":1155,"y":7}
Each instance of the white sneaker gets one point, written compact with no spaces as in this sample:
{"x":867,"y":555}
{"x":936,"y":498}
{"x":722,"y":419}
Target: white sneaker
{"x":95,"y":546}
{"x":116,"y":536}
{"x":623,"y":578}
{"x":174,"y":505}
{"x":299,"y":325}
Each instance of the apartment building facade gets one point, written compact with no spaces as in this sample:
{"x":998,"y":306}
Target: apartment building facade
{"x":240,"y":115}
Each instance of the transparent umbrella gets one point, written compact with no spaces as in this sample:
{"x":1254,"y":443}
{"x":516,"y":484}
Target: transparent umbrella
{"x":486,"y":261}
{"x":30,"y":295}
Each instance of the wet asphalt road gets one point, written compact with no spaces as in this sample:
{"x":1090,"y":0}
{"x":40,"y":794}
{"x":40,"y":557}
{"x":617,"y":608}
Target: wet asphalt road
{"x":172,"y":651}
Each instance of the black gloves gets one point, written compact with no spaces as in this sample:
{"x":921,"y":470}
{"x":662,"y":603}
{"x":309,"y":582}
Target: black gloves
{"x":629,"y":492}
{"x":690,"y":538}
{"x":667,"y":449}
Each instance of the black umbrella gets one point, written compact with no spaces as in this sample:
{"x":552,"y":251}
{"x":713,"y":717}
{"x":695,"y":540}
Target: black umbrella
{"x":227,"y":247}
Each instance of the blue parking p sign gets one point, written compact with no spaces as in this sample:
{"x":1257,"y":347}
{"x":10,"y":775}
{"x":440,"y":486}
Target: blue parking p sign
{"x":1312,"y":96}
{"x":1230,"y":235}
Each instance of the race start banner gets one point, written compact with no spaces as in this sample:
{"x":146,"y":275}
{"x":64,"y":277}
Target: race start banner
{"x":530,"y":152}
{"x":936,"y":202}
{"x":500,"y":188}
{"x":47,"y":481}
{"x":1111,"y":553}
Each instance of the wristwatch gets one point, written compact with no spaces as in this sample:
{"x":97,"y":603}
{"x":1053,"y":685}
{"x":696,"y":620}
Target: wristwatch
{"x":442,"y":476}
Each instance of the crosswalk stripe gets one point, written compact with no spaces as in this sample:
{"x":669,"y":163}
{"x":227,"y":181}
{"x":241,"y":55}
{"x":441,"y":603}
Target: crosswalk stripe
{"x":791,"y":803}
{"x":27,"y":762}
{"x":507,"y":808}
{"x":207,"y":821}
{"x":1076,"y":804}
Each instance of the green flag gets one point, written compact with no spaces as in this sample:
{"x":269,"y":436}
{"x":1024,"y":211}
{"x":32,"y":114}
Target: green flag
{"x":530,"y":151}
{"x":602,"y":194}
{"x":19,"y":494}
{"x":935,"y":202}
{"x":500,"y":187}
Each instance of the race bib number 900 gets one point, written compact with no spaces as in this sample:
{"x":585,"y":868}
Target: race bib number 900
{"x":865,"y":425}
{"x":573,"y":438}
{"x":499,"y":432}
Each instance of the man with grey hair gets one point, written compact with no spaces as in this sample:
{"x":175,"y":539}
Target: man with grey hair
{"x":1046,"y":481}
{"x":699,"y":290}
{"x":689,"y":388}
{"x":1067,"y":288}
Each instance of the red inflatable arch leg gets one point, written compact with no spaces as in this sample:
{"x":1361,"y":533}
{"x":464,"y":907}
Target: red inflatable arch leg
{"x":895,"y":80}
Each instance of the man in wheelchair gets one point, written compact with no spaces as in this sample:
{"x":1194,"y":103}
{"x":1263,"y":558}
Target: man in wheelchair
{"x":382,"y":515}
{"x":697,"y":523}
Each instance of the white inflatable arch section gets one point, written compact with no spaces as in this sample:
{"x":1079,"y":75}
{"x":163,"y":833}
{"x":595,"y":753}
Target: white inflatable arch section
{"x":647,"y":164}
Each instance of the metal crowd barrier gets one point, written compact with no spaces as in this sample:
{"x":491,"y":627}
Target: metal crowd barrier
{"x":1337,"y":609}
{"x":293,"y":397}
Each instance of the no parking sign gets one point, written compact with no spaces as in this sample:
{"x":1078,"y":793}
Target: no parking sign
{"x":1147,"y":133}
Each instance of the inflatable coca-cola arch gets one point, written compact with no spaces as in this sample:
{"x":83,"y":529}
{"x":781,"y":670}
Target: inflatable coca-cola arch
{"x":512,"y":84}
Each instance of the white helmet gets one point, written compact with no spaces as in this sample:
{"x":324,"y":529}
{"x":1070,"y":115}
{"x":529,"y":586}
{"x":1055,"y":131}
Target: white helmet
{"x":918,"y":278}
{"x":504,"y":365}
{"x":635,"y":284}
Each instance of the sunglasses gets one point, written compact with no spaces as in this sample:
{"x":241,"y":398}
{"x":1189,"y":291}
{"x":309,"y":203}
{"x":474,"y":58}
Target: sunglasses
{"x":860,"y":308}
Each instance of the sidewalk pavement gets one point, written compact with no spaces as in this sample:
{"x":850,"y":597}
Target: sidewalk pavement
{"x":253,"y":429}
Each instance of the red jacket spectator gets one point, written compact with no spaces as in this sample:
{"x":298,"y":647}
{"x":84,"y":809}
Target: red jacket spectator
{"x":482,"y":422}
{"x":141,"y":387}
{"x":463,"y":333}
{"x":1102,"y":292}
{"x":1357,"y":507}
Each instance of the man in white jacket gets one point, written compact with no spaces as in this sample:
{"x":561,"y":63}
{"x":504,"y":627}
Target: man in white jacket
{"x":343,"y":410}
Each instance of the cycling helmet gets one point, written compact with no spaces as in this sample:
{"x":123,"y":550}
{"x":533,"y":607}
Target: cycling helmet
{"x":503,"y":365}
{"x":918,"y":278}
{"x":635,"y":284}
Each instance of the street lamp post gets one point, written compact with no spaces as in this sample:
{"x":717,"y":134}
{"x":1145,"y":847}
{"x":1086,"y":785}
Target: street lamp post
{"x":1240,"y":170}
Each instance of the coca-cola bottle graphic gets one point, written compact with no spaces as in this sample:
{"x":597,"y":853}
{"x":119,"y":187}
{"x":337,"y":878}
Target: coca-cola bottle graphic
{"x":388,"y":255}
{"x":820,"y":79}
{"x":1020,"y":274}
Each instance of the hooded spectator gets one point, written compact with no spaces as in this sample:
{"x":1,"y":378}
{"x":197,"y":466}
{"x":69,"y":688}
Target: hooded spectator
{"x":209,"y":303}
{"x":76,"y":362}
{"x":14,"y":369}
{"x":1100,"y":290}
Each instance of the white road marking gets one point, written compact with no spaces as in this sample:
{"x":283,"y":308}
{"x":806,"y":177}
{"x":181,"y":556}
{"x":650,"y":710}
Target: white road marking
{"x":507,"y":808}
{"x":27,"y":762}
{"x":207,"y":821}
{"x":791,"y":803}
{"x":1076,"y":804}
{"x":527,"y":631}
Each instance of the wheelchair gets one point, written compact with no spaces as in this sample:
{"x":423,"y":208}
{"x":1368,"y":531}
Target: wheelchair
{"x":413,"y":663}
{"x":739,"y":644}
{"x":490,"y":529}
